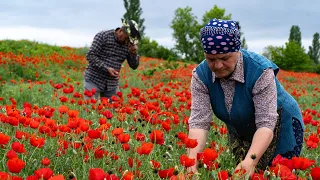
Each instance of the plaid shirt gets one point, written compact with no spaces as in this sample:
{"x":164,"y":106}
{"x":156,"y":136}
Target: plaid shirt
{"x":104,"y":52}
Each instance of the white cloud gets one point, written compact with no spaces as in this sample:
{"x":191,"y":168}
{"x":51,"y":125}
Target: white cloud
{"x":165,"y":41}
{"x":259,"y":44}
{"x":52,"y":36}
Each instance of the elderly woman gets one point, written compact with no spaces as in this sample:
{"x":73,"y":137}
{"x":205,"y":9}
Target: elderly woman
{"x":241,"y":89}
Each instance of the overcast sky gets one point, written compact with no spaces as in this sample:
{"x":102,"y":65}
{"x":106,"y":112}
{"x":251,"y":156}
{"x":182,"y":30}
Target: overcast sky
{"x":75,"y":22}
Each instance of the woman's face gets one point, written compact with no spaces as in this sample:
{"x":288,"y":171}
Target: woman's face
{"x":222,"y":64}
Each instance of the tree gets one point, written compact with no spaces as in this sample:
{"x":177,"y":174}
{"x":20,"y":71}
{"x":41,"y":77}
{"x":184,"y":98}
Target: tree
{"x":295,"y":35}
{"x":243,"y":39}
{"x":273,"y":53}
{"x":215,"y":12}
{"x":185,"y":32}
{"x":133,"y":12}
{"x":295,"y":58}
{"x":150,"y":48}
{"x":314,"y":50}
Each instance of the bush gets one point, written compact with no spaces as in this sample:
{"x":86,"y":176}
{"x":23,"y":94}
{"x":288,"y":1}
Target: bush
{"x":30,"y":48}
{"x":150,"y":48}
{"x":317,"y":69}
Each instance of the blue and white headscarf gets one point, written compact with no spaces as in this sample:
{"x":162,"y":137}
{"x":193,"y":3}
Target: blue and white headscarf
{"x":220,"y":36}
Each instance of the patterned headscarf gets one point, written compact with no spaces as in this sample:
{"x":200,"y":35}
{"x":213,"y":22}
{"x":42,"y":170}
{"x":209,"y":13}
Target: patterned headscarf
{"x":220,"y":36}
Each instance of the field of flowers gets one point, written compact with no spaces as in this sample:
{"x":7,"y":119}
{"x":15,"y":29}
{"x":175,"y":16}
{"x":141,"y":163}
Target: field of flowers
{"x":48,"y":131}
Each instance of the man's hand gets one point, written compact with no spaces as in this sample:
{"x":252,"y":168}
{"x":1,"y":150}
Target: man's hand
{"x":112,"y":72}
{"x":133,"y":49}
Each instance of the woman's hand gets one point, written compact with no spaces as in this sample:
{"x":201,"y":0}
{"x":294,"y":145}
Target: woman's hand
{"x":192,"y":169}
{"x":248,"y":165}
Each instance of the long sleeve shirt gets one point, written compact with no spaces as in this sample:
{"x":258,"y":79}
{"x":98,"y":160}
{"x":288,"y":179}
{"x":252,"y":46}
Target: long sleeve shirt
{"x":264,"y":97}
{"x":105,"y":52}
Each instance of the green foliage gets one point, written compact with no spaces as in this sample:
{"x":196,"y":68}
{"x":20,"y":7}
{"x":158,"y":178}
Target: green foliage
{"x":81,"y":51}
{"x":291,"y":57}
{"x":18,"y":71}
{"x":295,"y":35}
{"x":186,"y":31}
{"x":70,"y":64}
{"x":244,"y":44}
{"x":314,"y":50}
{"x":133,"y":12}
{"x":273,"y":53}
{"x":29,"y":48}
{"x":317,"y":69}
{"x":170,"y":64}
{"x":150,"y":48}
{"x":294,"y":58}
{"x":215,"y":12}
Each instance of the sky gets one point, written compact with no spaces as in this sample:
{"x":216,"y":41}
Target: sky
{"x":75,"y":22}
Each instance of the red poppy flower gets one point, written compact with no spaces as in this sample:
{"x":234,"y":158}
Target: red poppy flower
{"x":166,"y":173}
{"x":145,"y":148}
{"x":186,"y":161}
{"x":182,"y":136}
{"x":124,"y":138}
{"x":166,"y":126}
{"x":190,"y":143}
{"x":157,"y":136}
{"x":20,"y":135}
{"x":5,"y":176}
{"x":139,"y":136}
{"x":209,"y":154}
{"x":155,"y":164}
{"x":125,"y":147}
{"x":283,"y":172}
{"x":107,"y":114}
{"x":63,"y":109}
{"x":256,"y":176}
{"x":94,"y":134}
{"x":96,"y":174}
{"x":223,"y":175}
{"x":36,"y":141}
{"x":315,"y":173}
{"x":128,"y":176}
{"x":302,"y":163}
{"x":312,"y":141}
{"x":117,"y":131}
{"x":135,"y":92}
{"x":4,"y":139}
{"x":57,"y":177}
{"x":11,"y":154}
{"x":18,"y":147}
{"x":99,"y":152}
{"x":45,"y":161}
{"x":15,"y":165}
{"x":44,"y":173}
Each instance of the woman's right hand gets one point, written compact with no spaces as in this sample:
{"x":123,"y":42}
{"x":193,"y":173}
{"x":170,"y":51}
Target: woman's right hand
{"x":193,"y":169}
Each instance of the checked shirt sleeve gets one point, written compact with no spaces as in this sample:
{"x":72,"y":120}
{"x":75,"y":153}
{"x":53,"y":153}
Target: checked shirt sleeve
{"x":93,"y":55}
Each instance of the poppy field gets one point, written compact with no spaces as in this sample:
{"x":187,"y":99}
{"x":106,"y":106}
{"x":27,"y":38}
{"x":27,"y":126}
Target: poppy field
{"x":48,"y":130}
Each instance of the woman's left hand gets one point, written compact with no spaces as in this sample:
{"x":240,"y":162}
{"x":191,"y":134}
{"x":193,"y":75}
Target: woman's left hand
{"x":248,"y":165}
